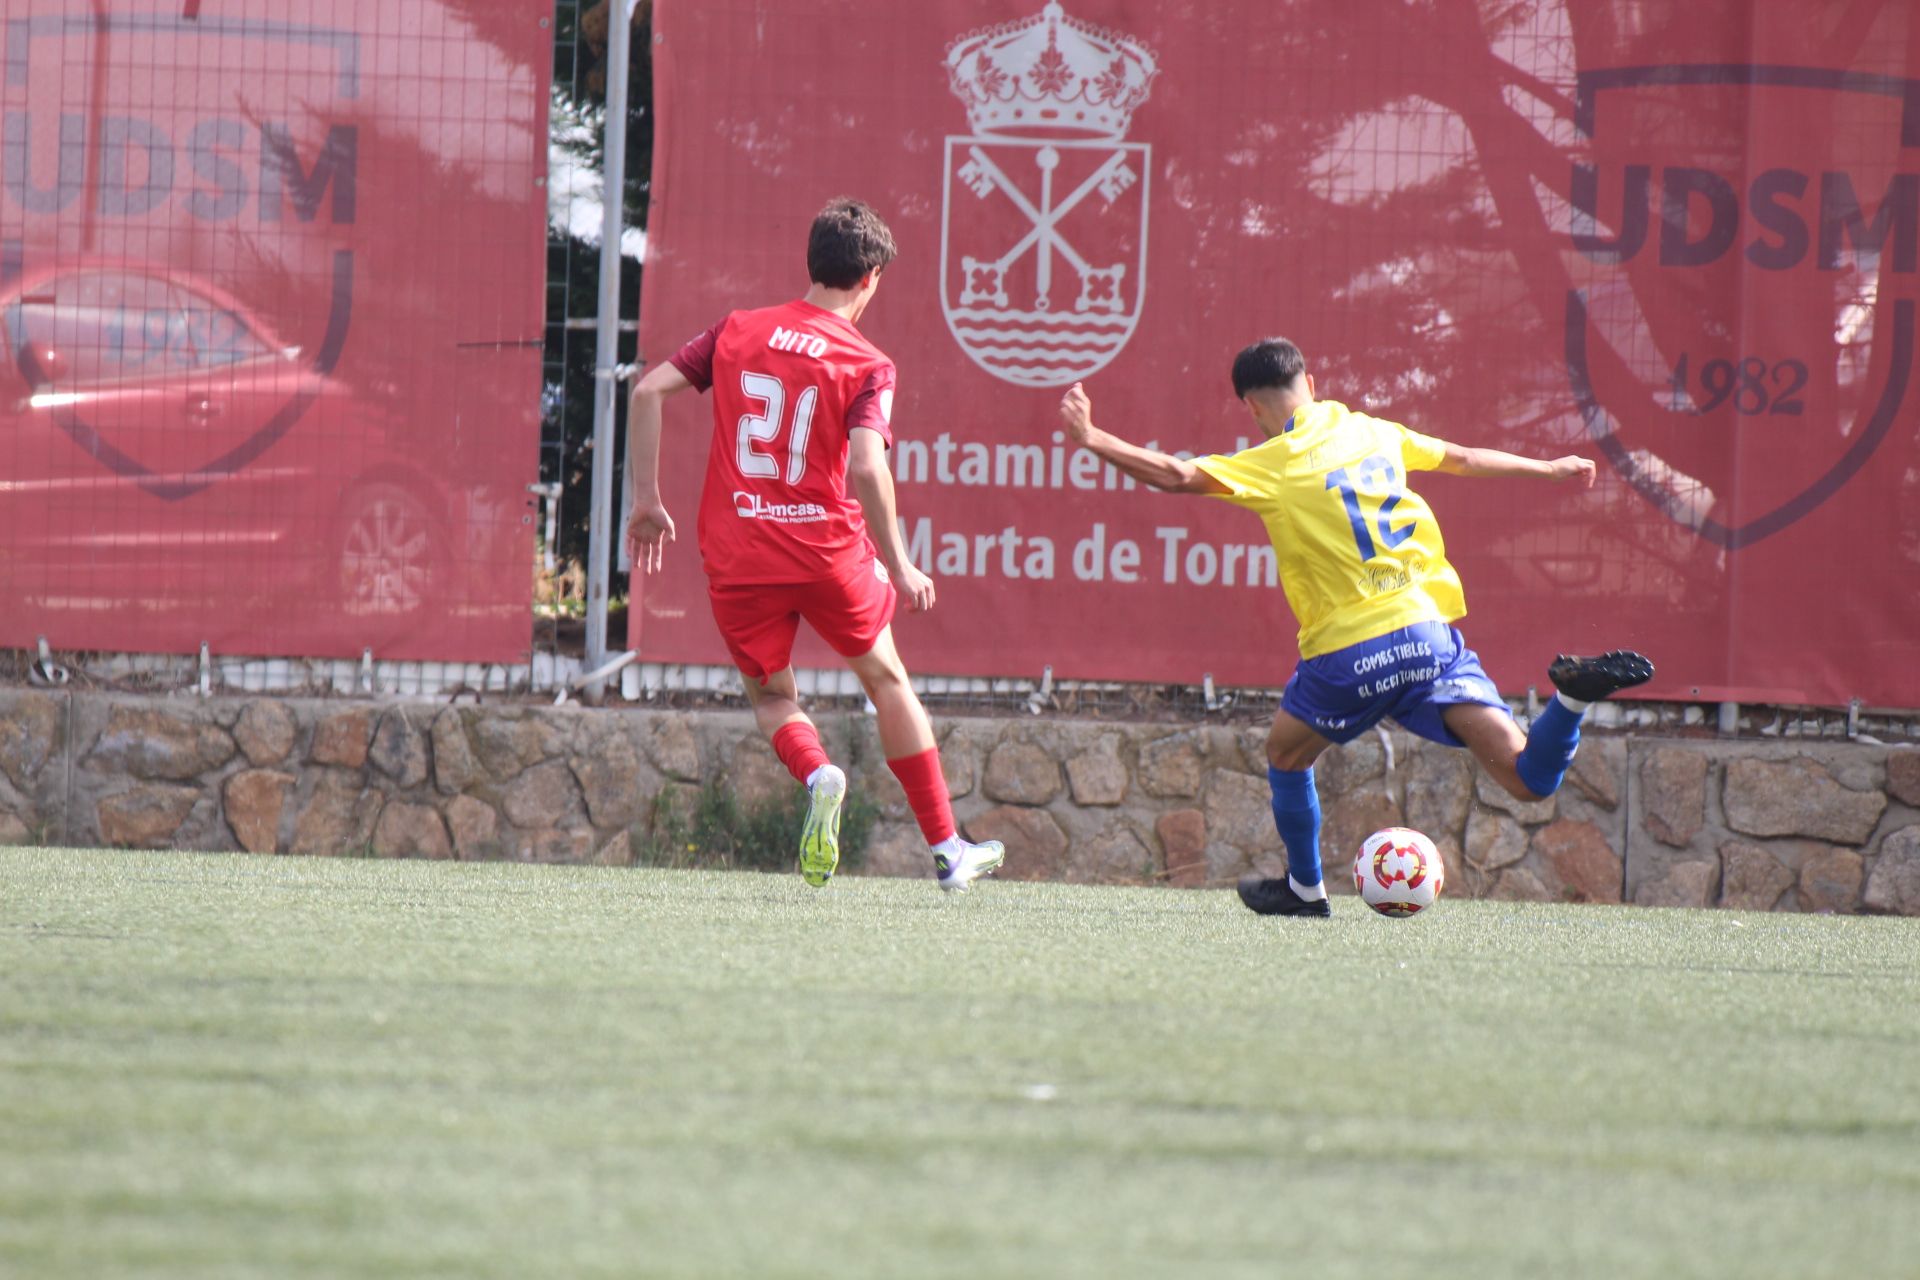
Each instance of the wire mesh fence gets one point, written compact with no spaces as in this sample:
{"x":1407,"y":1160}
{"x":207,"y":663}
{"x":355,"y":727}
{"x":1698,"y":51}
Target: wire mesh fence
{"x":576,"y":200}
{"x":255,"y":396}
{"x":580,"y":31}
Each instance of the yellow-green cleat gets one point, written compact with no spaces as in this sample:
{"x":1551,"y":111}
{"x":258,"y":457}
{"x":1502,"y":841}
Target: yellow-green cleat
{"x":820,"y":837}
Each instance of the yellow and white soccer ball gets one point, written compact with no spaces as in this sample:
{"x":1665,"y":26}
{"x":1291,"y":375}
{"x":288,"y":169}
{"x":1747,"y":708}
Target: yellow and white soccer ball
{"x":1398,"y":872}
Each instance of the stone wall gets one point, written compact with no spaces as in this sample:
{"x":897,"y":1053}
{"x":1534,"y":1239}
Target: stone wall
{"x":1761,"y":825}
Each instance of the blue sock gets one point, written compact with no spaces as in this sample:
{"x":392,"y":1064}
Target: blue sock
{"x":1296,"y":812}
{"x":1550,"y":746}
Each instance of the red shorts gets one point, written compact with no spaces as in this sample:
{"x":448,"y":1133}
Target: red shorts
{"x":759,"y":620}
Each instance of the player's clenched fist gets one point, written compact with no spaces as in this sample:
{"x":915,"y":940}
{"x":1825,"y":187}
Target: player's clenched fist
{"x":1076,"y":413}
{"x":1575,"y":468}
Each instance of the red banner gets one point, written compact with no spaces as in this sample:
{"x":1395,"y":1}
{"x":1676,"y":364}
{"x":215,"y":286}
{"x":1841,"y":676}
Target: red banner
{"x":270,"y":279}
{"x":1679,"y":239}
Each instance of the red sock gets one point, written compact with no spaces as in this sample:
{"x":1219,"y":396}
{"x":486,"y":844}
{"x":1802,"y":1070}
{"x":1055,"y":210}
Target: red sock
{"x":926,"y":789}
{"x":797,"y":743}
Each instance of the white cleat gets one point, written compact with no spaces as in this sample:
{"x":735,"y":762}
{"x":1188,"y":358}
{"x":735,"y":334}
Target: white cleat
{"x":972,"y":862}
{"x":820,"y":837}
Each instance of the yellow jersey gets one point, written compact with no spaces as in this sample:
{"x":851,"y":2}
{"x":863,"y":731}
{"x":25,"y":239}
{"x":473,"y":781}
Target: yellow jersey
{"x":1359,"y":553}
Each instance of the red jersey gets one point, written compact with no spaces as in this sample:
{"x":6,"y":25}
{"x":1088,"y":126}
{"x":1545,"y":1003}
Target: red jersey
{"x":790,"y":383}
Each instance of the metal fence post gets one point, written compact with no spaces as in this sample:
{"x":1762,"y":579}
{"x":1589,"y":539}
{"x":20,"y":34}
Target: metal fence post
{"x":601,"y":519}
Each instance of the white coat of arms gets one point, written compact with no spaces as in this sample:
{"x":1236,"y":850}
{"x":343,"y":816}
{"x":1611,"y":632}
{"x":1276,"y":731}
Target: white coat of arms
{"x":1043,"y":237}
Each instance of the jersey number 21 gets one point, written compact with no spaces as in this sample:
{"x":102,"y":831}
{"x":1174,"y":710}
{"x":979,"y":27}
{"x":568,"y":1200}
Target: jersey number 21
{"x":764,"y":427}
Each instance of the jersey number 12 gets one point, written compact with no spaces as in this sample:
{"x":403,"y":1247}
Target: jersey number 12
{"x":1376,"y":478}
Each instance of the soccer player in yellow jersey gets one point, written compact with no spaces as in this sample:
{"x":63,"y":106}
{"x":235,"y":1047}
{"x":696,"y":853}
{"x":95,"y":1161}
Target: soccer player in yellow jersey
{"x":1365,"y":570}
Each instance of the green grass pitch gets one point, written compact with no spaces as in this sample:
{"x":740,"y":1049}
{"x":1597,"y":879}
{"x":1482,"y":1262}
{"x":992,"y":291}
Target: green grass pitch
{"x":217,"y":1066}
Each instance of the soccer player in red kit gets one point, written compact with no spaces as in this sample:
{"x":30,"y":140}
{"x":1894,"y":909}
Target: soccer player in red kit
{"x":801,"y":409}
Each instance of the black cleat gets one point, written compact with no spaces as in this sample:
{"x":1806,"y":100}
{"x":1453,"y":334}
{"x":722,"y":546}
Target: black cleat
{"x":1591,"y":679}
{"x":1277,"y":898}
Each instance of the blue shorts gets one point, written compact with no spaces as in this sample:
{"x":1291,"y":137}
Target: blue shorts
{"x":1409,"y":675}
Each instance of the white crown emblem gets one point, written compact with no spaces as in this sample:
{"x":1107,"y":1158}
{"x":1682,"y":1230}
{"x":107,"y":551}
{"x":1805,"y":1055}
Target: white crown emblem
{"x":1049,"y":76}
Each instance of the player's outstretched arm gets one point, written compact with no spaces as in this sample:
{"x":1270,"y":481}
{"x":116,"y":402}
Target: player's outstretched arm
{"x":873,"y":485}
{"x":1149,"y":466}
{"x":1462,"y":461}
{"x":649,"y":527}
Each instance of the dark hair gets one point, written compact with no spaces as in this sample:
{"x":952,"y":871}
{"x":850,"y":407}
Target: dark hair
{"x":847,"y":241}
{"x":1269,"y":364}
